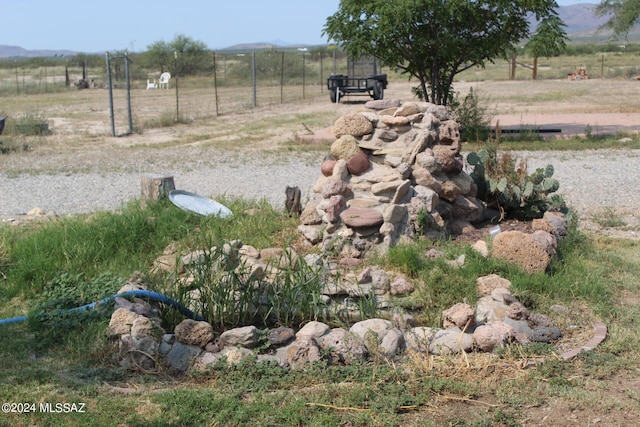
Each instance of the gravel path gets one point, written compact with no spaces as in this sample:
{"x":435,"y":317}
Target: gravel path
{"x":591,"y":181}
{"x":65,"y":185}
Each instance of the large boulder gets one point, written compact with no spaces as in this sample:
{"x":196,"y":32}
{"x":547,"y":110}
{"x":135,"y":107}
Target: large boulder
{"x":354,"y":124}
{"x":522,"y":250}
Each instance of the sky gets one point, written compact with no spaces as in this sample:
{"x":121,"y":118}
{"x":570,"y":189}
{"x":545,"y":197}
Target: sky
{"x":111,"y":25}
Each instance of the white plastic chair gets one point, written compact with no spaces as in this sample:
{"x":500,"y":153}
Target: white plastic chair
{"x":164,"y":80}
{"x":151,"y":84}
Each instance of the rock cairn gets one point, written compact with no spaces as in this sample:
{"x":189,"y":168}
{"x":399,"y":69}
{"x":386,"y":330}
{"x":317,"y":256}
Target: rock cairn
{"x":394,"y":170}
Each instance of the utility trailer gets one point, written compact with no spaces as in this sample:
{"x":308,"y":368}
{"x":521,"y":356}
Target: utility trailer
{"x":368,"y":83}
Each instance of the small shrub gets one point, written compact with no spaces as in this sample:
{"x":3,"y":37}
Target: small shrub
{"x":50,"y":317}
{"x":472,"y":114}
{"x":30,"y":124}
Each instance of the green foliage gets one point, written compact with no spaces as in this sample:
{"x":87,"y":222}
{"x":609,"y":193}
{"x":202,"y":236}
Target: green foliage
{"x":182,"y":56}
{"x":50,"y":316}
{"x":504,"y":184}
{"x":432,"y":41}
{"x":127,"y":241}
{"x":408,"y":258}
{"x":622,"y":15}
{"x":550,"y":37}
{"x":230,"y":293}
{"x":472,"y":114}
{"x":33,"y":123}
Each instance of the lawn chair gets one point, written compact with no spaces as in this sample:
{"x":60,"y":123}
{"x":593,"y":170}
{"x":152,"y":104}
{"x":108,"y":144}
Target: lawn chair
{"x":151,"y":84}
{"x":163,"y":83}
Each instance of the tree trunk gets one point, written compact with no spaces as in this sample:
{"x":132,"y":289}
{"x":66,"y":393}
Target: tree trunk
{"x":513,"y":66}
{"x":535,"y":67}
{"x":155,"y":187}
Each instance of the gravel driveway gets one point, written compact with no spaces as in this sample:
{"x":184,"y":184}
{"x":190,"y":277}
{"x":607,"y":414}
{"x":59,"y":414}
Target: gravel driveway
{"x":593,"y":182}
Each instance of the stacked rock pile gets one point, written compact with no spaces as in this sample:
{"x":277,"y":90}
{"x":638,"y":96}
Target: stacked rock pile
{"x":498,"y":318}
{"x":394,"y":170}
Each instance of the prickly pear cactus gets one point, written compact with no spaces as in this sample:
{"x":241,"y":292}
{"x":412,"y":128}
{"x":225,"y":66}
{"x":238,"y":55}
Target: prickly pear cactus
{"x":502,"y":185}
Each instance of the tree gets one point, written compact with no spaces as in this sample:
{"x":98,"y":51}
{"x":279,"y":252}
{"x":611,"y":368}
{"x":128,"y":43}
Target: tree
{"x":192,"y":55}
{"x":624,"y":15}
{"x":434,"y":40}
{"x":549,"y":39}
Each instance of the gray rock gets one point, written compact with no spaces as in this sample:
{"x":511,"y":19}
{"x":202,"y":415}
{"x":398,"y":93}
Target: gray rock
{"x":182,"y":356}
{"x":303,"y":350}
{"x":392,"y":343}
{"x":545,"y":335}
{"x":192,"y":332}
{"x":246,"y":336}
{"x":343,"y":347}
{"x":280,"y":336}
{"x":313,"y":329}
{"x":450,"y":341}
{"x":377,"y":326}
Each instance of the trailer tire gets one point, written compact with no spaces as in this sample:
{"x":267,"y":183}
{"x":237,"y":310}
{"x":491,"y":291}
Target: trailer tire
{"x":378,"y":91}
{"x":333,"y":95}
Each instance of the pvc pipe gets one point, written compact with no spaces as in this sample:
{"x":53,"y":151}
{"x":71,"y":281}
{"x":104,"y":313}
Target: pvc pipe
{"x":133,"y":293}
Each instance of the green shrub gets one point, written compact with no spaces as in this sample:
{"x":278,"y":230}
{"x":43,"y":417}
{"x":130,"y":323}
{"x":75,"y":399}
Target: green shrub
{"x":472,"y":114}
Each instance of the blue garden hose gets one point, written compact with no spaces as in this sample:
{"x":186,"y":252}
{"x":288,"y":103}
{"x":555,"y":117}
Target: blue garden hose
{"x":140,"y":293}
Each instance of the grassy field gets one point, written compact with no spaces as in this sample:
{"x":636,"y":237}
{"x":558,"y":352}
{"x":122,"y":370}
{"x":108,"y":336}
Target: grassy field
{"x":67,"y":360}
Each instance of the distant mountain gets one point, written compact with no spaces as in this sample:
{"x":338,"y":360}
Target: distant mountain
{"x":581,"y":19}
{"x":582,"y":24}
{"x":264,"y":45}
{"x":18,"y":52}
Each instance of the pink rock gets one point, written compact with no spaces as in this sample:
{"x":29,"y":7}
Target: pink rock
{"x":358,"y":164}
{"x":336,"y":205}
{"x":486,"y":337}
{"x":334,"y":187}
{"x":361,"y":217}
{"x":401,"y":286}
{"x":460,"y":315}
{"x":327,"y":167}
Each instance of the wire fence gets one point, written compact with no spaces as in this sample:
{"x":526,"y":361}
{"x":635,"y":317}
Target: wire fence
{"x":234,"y":81}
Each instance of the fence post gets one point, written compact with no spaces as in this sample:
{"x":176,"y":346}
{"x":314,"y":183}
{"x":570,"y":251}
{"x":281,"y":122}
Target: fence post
{"x":110,"y":86}
{"x":126,"y":72}
{"x":253,"y":79}
{"x":303,"y":75}
{"x":215,"y":81}
{"x":175,"y":67}
{"x":281,"y":77}
{"x":321,"y":72}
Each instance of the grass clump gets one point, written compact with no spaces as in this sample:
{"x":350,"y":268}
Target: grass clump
{"x":608,"y":218}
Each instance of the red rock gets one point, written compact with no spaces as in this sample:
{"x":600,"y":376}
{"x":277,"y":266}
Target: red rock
{"x":358,"y":164}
